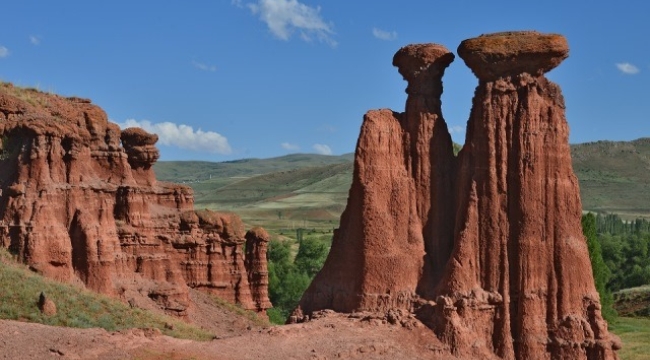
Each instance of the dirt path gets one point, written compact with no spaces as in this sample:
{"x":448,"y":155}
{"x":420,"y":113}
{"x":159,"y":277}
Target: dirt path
{"x":333,"y":337}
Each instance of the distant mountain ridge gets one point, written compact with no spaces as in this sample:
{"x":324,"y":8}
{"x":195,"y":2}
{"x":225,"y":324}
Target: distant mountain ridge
{"x":614,"y":177}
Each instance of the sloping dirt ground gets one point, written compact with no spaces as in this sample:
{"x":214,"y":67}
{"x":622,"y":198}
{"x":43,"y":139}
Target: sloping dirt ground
{"x":335,"y":336}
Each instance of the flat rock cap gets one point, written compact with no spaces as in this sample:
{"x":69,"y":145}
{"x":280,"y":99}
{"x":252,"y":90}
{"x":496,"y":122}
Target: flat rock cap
{"x":496,"y":55}
{"x":413,"y":59}
{"x":138,"y":137}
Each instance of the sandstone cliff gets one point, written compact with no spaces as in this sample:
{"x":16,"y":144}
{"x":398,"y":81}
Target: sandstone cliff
{"x":80,"y":203}
{"x":485,"y":248}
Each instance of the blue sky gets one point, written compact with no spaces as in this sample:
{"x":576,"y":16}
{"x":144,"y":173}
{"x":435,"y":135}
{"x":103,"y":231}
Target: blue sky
{"x":221,"y":80}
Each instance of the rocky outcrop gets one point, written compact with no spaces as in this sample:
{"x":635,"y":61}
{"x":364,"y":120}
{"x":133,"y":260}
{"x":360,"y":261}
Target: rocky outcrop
{"x":46,"y":305}
{"x":257,"y":240}
{"x":486,"y":248}
{"x":80,"y":203}
{"x":141,"y":152}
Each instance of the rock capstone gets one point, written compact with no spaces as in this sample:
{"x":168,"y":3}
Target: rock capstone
{"x":512,"y":53}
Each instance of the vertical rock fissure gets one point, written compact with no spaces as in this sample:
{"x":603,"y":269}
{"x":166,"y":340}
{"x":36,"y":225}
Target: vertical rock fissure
{"x":79,"y":254}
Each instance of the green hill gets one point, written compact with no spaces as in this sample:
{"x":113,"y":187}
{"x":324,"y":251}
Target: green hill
{"x":614,"y":177}
{"x":298,"y":190}
{"x":192,"y":171}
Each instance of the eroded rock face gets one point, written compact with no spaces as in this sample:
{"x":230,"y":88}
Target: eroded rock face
{"x":520,"y":261}
{"x":80,"y":203}
{"x":487,"y":247}
{"x":378,"y":253}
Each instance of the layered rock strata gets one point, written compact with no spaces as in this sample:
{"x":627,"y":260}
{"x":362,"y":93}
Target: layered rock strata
{"x":80,"y":203}
{"x":486,"y":248}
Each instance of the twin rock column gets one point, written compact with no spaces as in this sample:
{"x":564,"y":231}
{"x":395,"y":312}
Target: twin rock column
{"x":490,"y":239}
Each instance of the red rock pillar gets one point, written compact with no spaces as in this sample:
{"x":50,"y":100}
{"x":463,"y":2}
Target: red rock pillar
{"x":430,"y":151}
{"x":377,"y":254}
{"x":519,"y":281}
{"x":257,"y":240}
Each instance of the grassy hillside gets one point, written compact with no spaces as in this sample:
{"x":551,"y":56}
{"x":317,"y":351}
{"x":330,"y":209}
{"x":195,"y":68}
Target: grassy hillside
{"x":614,"y":176}
{"x":192,"y":171}
{"x":282,"y":194}
{"x":633,"y":301}
{"x":76,"y":307}
{"x":273,"y":188}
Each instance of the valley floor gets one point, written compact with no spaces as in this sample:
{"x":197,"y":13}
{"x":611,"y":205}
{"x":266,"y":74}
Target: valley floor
{"x":335,"y":336}
{"x":332,"y":337}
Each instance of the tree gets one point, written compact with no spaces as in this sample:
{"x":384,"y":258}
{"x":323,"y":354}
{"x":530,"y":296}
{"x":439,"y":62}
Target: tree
{"x":286,"y":282}
{"x":311,"y":256}
{"x":600,"y":270}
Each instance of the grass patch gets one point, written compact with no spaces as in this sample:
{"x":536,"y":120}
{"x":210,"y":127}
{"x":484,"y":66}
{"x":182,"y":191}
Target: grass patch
{"x":635,"y":334}
{"x":77,"y":307}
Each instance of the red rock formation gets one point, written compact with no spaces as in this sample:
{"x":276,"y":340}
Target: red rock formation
{"x":257,"y":240}
{"x":506,"y":261}
{"x":431,"y":160}
{"x":78,"y":207}
{"x":520,"y":266}
{"x":402,"y":163}
{"x":142,"y":153}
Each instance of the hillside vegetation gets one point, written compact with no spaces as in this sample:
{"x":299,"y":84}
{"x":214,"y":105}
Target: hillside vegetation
{"x":77,"y":307}
{"x":192,"y":171}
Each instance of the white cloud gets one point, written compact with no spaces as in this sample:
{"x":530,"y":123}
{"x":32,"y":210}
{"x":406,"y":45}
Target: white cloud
{"x":289,"y":146}
{"x":322,"y":149}
{"x":4,"y":52}
{"x":456,"y":129}
{"x":183,"y":136}
{"x":627,"y":68}
{"x":237,"y":3}
{"x":384,"y":35}
{"x":283,"y":17}
{"x":35,"y":40}
{"x":204,"y":67}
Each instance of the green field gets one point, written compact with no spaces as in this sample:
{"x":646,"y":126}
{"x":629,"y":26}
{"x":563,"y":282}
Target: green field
{"x":633,"y":326}
{"x":635,"y":335}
